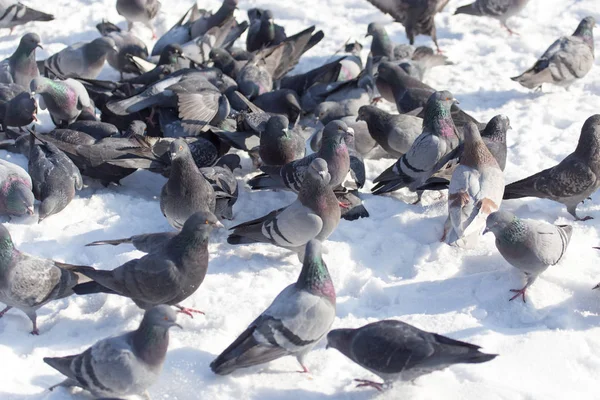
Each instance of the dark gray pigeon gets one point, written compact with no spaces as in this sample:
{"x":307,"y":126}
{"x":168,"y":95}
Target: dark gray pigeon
{"x":381,"y":44}
{"x":166,"y":276}
{"x":81,"y":60}
{"x":179,"y":33}
{"x":363,"y":141}
{"x":13,"y":13}
{"x":282,"y":101}
{"x":568,"y":59}
{"x":263,"y":32}
{"x":501,"y":10}
{"x":142,"y":11}
{"x":209,"y":20}
{"x":573,"y":180}
{"x":127,"y":45}
{"x":65,"y":100}
{"x":16,"y":197}
{"x":528,"y":245}
{"x":21,"y":67}
{"x":314,"y":215}
{"x":395,"y":133}
{"x":280,"y":144}
{"x":187,"y":191}
{"x":224,"y":184}
{"x":293,"y":324}
{"x":123,"y":365}
{"x":28,"y":282}
{"x":18,"y":107}
{"x":97,"y":129}
{"x":395,"y":350}
{"x":54,"y":176}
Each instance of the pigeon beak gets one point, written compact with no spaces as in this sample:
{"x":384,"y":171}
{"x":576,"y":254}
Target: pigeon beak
{"x":596,"y":287}
{"x":40,"y":220}
{"x":367,"y":34}
{"x":40,"y":46}
{"x":455,"y":101}
{"x":30,"y":210}
{"x":350,"y":131}
{"x":486,"y":230}
{"x":182,"y":55}
{"x":173,"y":155}
{"x":219,"y":225}
{"x":358,"y":118}
{"x":35,"y":118}
{"x":116,"y":49}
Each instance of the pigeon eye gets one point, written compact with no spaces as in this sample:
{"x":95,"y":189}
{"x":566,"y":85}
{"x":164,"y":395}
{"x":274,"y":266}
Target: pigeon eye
{"x":206,"y":222}
{"x":180,"y":148}
{"x":166,"y":318}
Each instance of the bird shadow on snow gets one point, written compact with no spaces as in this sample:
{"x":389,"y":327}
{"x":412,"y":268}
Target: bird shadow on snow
{"x":482,"y":100}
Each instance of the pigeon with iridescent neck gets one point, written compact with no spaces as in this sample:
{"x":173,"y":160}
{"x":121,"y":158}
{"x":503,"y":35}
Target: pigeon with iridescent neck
{"x":475,"y":191}
{"x":429,"y":153}
{"x":528,"y":245}
{"x":293,"y":324}
{"x":123,"y":365}
{"x":280,"y":144}
{"x":21,"y":67}
{"x":16,"y":196}
{"x":28,"y":282}
{"x":566,"y":60}
{"x":65,"y":100}
{"x":381,"y":45}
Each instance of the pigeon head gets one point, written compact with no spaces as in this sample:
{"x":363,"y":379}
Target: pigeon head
{"x":29,"y":42}
{"x":25,"y":106}
{"x":374,"y":28}
{"x":589,"y":140}
{"x":179,"y":149}
{"x":18,"y":197}
{"x":51,"y":205}
{"x":336,"y":131}
{"x":585,"y":31}
{"x":318,"y":171}
{"x":104,"y":45}
{"x":365,"y":112}
{"x":498,"y":221}
{"x":353,"y":48}
{"x":438,"y":118}
{"x":340,"y":339}
{"x":277,"y":126}
{"x":327,"y":111}
{"x":314,"y":276}
{"x":151,"y":339}
{"x":496,"y":129}
{"x":201,"y":223}
{"x":162,"y":316}
{"x":171,"y":54}
{"x":40,"y":85}
{"x":221,"y":58}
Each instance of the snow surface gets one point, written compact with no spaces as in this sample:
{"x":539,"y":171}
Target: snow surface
{"x":391,"y":265}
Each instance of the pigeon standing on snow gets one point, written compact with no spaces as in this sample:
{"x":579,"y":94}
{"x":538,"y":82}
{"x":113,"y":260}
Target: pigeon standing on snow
{"x":28,"y":282}
{"x":55,"y":178}
{"x":21,"y":67}
{"x":65,"y":100}
{"x":381,"y":45}
{"x":81,"y":60}
{"x":124,"y":365}
{"x":292,"y":325}
{"x":18,"y":107}
{"x":187,"y":191}
{"x":168,"y":275}
{"x":142,"y":11}
{"x":395,"y":350}
{"x":475,"y":191}
{"x":279,"y":144}
{"x":314,"y":215}
{"x":224,"y":184}
{"x":530,"y":246}
{"x":501,"y":10}
{"x":429,"y":152}
{"x":13,"y":13}
{"x":573,"y":180}
{"x":16,"y":197}
{"x":568,"y":59}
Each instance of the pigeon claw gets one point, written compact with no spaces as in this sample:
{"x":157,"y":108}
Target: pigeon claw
{"x":585,"y":218}
{"x":344,"y":205}
{"x":519,"y":292}
{"x":189,"y":311}
{"x":304,"y":370}
{"x":35,"y":332}
{"x":367,"y":383}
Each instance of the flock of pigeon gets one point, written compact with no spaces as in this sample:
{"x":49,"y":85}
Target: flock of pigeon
{"x":181,"y":108}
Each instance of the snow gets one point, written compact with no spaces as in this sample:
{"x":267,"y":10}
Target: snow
{"x":391,"y":265}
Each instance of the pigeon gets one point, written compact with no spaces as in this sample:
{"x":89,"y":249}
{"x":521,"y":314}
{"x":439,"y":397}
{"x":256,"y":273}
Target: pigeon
{"x":223,"y":60}
{"x":475,"y":191}
{"x":395,"y":133}
{"x":65,"y":100}
{"x":13,"y":13}
{"x":381,"y":45}
{"x":100,"y":130}
{"x":81,"y":60}
{"x":127,"y":44}
{"x":209,"y":20}
{"x":501,"y":10}
{"x":187,"y":191}
{"x":166,"y":276}
{"x":54,"y":176}
{"x":430,"y":151}
{"x":417,"y":16}
{"x":224,"y":184}
{"x":566,"y":60}
{"x":21,"y":67}
{"x":254,"y":79}
{"x":28,"y":282}
{"x":573,"y":180}
{"x":314,"y":215}
{"x":351,"y":205}
{"x":363,"y":141}
{"x":16,"y":197}
{"x":142,"y":11}
{"x":263,"y":32}
{"x":282,"y":101}
{"x":396,"y":86}
{"x":179,"y":33}
{"x":172,"y":56}
{"x":18,"y":107}
{"x":417,"y":61}
{"x":494,"y":137}
{"x":394,"y":350}
{"x":293,"y":324}
{"x":528,"y":245}
{"x":333,"y":150}
{"x":123,"y":365}
{"x":280,"y":145}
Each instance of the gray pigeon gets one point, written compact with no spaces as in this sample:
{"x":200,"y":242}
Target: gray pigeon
{"x":254,"y":78}
{"x":168,"y":275}
{"x":501,"y":10}
{"x":530,"y":246}
{"x":280,"y":144}
{"x":395,"y":133}
{"x":475,"y":191}
{"x":55,"y":178}
{"x":314,"y":215}
{"x":568,"y":59}
{"x":209,"y":20}
{"x":223,"y":182}
{"x":417,"y":16}
{"x":282,"y":101}
{"x":429,"y":153}
{"x":18,"y":107}
{"x":187,"y":191}
{"x":65,"y":100}
{"x":100,"y":130}
{"x":21,"y":67}
{"x":81,"y":60}
{"x":179,"y":33}
{"x":28,"y":282}
{"x":16,"y":197}
{"x":333,"y":150}
{"x":363,"y":140}
{"x":142,"y":11}
{"x":293,"y":324}
{"x":395,"y":350}
{"x":573,"y":180}
{"x":13,"y":13}
{"x":381,"y":45}
{"x":123,"y":365}
{"x":127,"y":45}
